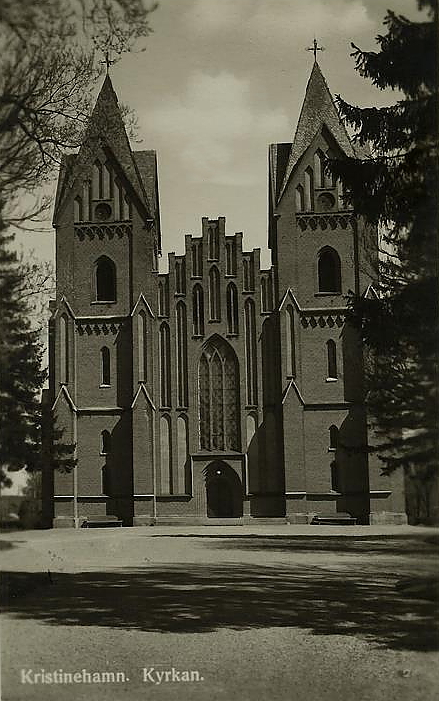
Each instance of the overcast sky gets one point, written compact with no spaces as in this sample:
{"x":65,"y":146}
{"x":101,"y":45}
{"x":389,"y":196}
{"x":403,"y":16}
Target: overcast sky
{"x":218,"y":81}
{"x":221,"y":79}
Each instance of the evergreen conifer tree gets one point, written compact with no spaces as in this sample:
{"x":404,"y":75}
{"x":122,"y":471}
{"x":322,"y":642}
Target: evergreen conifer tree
{"x":395,"y":188}
{"x":21,"y":373}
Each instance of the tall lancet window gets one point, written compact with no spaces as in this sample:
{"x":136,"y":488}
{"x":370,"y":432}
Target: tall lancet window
{"x":164,"y":297}
{"x":309,"y":190}
{"x":300,"y":198}
{"x":214,"y":294}
{"x":105,"y":282}
{"x":165,"y":366}
{"x":107,"y":180}
{"x":98,"y":181}
{"x":329,"y":179}
{"x":64,"y":349}
{"x":180,"y":277}
{"x":291,"y":350}
{"x":87,"y":200}
{"x":142,"y":333}
{"x":333,"y":437}
{"x":319,"y":168}
{"x":213,"y":243}
{"x":248,"y":273}
{"x":165,"y":455}
{"x":78,"y":213}
{"x":182,"y":368}
{"x":218,"y":382}
{"x":250,"y":353}
{"x":331,"y":350}
{"x":267,"y":294}
{"x":232,"y":309}
{"x":105,"y":367}
{"x":198,"y":310}
{"x":230,"y":258}
{"x":329,"y":270}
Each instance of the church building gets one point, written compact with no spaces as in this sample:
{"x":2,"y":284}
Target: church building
{"x":219,"y":392}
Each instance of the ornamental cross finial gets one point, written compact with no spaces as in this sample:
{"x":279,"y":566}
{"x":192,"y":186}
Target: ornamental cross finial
{"x":314,"y":48}
{"x":108,"y":62}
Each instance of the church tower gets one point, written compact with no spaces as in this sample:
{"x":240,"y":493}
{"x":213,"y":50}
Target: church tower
{"x":321,"y":251}
{"x":107,"y":225}
{"x":216,"y":392}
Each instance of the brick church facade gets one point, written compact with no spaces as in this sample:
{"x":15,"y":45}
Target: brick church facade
{"x":218,"y":392}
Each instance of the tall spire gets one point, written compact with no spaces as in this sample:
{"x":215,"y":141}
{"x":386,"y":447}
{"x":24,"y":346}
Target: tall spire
{"x":318,"y":109}
{"x":106,"y":130}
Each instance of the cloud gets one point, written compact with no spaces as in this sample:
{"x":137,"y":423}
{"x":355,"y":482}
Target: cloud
{"x":277,"y":21}
{"x":205,"y":126}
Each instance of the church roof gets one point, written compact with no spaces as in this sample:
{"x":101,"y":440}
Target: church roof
{"x":106,"y":130}
{"x":318,"y":109}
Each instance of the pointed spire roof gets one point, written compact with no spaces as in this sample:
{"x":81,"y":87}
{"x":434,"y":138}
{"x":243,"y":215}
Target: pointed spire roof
{"x":105,"y":130}
{"x":318,"y":109}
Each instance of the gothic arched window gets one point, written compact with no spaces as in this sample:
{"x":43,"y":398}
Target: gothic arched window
{"x":98,"y":183}
{"x":182,"y":452}
{"x":329,"y":179}
{"x":218,"y":382}
{"x":165,"y":455}
{"x":164,"y":297}
{"x":329,"y":270}
{"x":230,"y":258}
{"x":214,"y":294}
{"x":300,"y":198}
{"x":105,"y":367}
{"x":319,"y":168}
{"x":180,"y":277}
{"x":198,"y":310}
{"x":250,"y":352}
{"x":165,"y":366}
{"x":105,"y":280}
{"x":232,"y":309}
{"x":333,"y":437}
{"x":213,"y":243}
{"x":332,"y":359}
{"x":86,"y":200}
{"x":105,"y":442}
{"x":64,"y":348}
{"x":77,"y":209}
{"x":291,"y":350}
{"x":182,"y":369}
{"x":142,"y":333}
{"x":309,"y":189}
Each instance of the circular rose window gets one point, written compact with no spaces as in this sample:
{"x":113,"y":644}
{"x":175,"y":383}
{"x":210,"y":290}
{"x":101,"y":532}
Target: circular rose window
{"x":326,"y":201}
{"x":103,"y":211}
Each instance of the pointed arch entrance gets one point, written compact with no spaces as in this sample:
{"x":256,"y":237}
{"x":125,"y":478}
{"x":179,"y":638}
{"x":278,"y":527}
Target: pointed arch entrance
{"x":223,"y":491}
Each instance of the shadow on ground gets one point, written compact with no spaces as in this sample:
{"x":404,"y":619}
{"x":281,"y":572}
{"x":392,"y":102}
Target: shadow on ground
{"x":389,"y":545}
{"x":202,"y":598}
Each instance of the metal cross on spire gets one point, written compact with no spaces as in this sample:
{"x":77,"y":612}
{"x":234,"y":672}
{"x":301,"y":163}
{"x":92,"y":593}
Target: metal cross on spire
{"x":314,"y":48}
{"x":108,"y":62}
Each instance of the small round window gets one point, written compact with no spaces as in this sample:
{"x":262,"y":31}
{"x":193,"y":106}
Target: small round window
{"x":103,"y":211}
{"x":326,"y":201}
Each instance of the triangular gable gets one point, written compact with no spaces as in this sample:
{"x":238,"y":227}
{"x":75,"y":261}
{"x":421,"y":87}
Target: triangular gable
{"x":141,"y":299}
{"x":106,"y":130}
{"x":142,"y":390}
{"x":289,"y":296}
{"x":292,"y":383}
{"x":64,"y":392}
{"x":370,"y":293}
{"x":63,"y":301}
{"x":318,"y":108}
